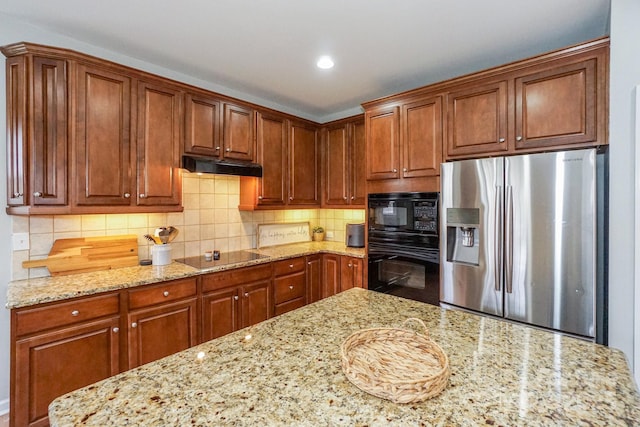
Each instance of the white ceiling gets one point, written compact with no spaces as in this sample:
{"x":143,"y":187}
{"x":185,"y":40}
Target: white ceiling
{"x":267,"y":49}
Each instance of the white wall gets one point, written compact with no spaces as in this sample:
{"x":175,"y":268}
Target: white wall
{"x":625,"y":75}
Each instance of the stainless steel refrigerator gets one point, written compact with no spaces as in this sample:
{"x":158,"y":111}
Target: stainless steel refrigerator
{"x":523,"y":238}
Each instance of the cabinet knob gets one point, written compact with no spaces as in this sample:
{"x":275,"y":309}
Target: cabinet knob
{"x":134,"y":325}
{"x":501,"y":140}
{"x":290,"y":265}
{"x":291,"y":287}
{"x":235,"y":297}
{"x":518,"y":138}
{"x":37,"y":194}
{"x":127,"y":195}
{"x":165,"y":293}
{"x":404,"y":169}
{"x":142,"y":196}
{"x":227,"y":150}
{"x":291,"y":198}
{"x":395,"y":170}
{"x":246,"y":294}
{"x":345,"y":197}
{"x":217,"y":148}
{"x":308,"y":262}
{"x":259,"y":197}
{"x":352,"y":197}
{"x":16,"y":194}
{"x":115,"y":330}
{"x":350,"y":265}
{"x":75,"y":313}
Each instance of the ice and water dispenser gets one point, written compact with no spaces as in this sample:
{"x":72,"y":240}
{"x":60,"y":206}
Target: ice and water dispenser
{"x":463,"y":235}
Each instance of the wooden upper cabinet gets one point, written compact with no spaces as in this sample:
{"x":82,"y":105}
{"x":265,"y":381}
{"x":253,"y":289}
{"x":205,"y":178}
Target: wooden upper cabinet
{"x":202,"y":125}
{"x":422,"y":137}
{"x":102,"y":144}
{"x":272,"y":155}
{"x":383,"y":142}
{"x":477,"y":119}
{"x":557,"y":106}
{"x":158,"y":144}
{"x":303,"y":165}
{"x":17,"y":125}
{"x":357,"y":165}
{"x":239,"y":141}
{"x":336,"y":163}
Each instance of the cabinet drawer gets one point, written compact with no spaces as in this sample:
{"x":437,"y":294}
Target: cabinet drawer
{"x":288,"y":266}
{"x":289,"y":305}
{"x":234,"y":277}
{"x":163,"y":292}
{"x":66,"y":313}
{"x":289,"y":287}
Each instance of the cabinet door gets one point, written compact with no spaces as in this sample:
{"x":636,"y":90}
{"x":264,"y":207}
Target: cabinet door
{"x":239,"y":141}
{"x":49,"y":138}
{"x":303,"y":165}
{"x":255,"y":301}
{"x":422,"y":138}
{"x":382,"y":128}
{"x":202,"y":125}
{"x":477,"y":119}
{"x":158,"y":144}
{"x":357,"y":170}
{"x":558,"y":106}
{"x":351,"y":273}
{"x":52,"y":364}
{"x":314,"y":278}
{"x":272,"y":155}
{"x":16,"y":130}
{"x":330,"y":275}
{"x":219,"y":313}
{"x":150,"y":327}
{"x":102,"y":145}
{"x":336,"y":154}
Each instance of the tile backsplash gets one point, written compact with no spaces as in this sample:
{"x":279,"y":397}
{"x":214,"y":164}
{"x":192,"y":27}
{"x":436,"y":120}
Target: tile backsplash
{"x":210,"y":220}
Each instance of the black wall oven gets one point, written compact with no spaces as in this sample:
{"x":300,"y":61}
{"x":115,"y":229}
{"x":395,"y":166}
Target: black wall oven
{"x":403,"y":245}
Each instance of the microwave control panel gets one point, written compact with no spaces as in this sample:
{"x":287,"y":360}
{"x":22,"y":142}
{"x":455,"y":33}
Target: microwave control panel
{"x":425,"y":216}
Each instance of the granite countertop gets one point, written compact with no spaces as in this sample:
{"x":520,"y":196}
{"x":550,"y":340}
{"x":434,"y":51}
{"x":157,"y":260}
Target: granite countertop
{"x":24,"y":293}
{"x":287,"y":371}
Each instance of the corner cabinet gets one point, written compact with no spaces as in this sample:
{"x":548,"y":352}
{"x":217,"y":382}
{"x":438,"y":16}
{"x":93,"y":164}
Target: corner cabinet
{"x":343,"y":166}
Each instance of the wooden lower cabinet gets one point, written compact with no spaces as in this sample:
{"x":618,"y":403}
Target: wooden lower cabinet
{"x":235,"y":299}
{"x":314,"y":278}
{"x":330,"y":275}
{"x":289,"y":284}
{"x":351,"y":273}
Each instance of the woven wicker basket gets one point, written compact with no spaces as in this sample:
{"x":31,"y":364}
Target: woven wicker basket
{"x":396,"y":364}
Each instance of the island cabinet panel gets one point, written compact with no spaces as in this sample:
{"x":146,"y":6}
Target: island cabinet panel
{"x":352,"y":273}
{"x":58,"y":348}
{"x":343,"y":163}
{"x":235,"y":299}
{"x":159,"y":133}
{"x":304,"y":164}
{"x":314,"y":278}
{"x":331,"y":272}
{"x":289,"y":284}
{"x":202,"y":117}
{"x":239,"y":140}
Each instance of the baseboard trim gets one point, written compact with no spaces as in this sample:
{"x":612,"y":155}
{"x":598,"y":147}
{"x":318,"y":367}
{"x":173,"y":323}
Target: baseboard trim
{"x":4,"y":406}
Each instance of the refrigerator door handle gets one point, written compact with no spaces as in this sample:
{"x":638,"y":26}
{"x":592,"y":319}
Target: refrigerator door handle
{"x":498,"y":236}
{"x":509,"y":241}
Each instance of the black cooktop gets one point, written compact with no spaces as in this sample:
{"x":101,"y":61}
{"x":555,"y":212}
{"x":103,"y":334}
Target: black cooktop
{"x":226,"y":258}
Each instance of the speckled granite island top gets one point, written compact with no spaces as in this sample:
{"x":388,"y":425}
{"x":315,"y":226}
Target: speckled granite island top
{"x":287,"y":372}
{"x":25,"y":293}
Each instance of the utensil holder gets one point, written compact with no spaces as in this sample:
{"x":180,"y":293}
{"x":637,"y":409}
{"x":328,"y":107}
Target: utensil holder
{"x":161,"y":254}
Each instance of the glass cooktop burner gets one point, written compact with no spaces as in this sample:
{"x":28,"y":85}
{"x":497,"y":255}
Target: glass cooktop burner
{"x":225,"y":258}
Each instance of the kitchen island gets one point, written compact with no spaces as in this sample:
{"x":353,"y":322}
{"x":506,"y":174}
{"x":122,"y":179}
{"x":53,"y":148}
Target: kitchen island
{"x":287,"y":371}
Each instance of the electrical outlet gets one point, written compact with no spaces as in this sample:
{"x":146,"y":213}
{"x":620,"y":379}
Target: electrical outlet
{"x":20,"y":241}
{"x":329,"y":234}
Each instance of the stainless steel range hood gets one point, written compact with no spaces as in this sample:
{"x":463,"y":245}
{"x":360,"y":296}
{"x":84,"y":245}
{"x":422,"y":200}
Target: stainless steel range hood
{"x":224,"y":167}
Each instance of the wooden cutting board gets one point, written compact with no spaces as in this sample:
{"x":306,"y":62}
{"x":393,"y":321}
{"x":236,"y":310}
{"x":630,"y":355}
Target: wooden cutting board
{"x":83,"y":254}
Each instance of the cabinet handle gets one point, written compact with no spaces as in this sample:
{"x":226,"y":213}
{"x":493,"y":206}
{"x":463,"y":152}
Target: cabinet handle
{"x":518,"y":138}
{"x":246,"y":294}
{"x":350,"y":265}
{"x":404,"y":169}
{"x":134,"y":325}
{"x":75,"y":313}
{"x":395,"y":170}
{"x":142,"y":196}
{"x":501,"y":140}
{"x":37,"y":194}
{"x":290,"y":265}
{"x":127,"y":195}
{"x":308,"y":262}
{"x":165,"y":293}
{"x":291,"y":198}
{"x":345,"y":197}
{"x":352,"y":197}
{"x":17,"y":194}
{"x":235,"y":297}
{"x":259,"y":197}
{"x":115,"y":330}
{"x":227,"y":150}
{"x":217,"y":148}
{"x":291,"y":287}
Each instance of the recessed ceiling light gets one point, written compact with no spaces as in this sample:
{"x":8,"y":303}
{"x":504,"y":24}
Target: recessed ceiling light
{"x":325,"y":62}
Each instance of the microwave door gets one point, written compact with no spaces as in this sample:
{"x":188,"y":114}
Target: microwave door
{"x":471,"y":234}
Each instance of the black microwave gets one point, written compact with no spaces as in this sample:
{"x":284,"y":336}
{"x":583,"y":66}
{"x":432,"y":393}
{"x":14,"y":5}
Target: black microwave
{"x":408,"y":212}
